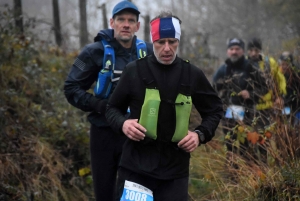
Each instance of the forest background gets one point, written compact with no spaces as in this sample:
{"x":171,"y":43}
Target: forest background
{"x":44,"y":141}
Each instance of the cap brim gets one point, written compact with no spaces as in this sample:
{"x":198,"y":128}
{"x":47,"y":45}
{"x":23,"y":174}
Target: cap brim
{"x":131,"y":10}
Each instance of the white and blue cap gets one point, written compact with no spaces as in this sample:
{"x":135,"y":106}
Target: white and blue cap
{"x":236,"y":41}
{"x":125,"y":5}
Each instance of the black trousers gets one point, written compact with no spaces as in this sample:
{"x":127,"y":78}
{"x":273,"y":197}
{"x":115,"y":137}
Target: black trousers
{"x":163,"y":190}
{"x":106,"y":149}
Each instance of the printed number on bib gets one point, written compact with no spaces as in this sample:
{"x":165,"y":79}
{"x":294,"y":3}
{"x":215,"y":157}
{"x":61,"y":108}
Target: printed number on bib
{"x":136,"y":192}
{"x":235,"y":112}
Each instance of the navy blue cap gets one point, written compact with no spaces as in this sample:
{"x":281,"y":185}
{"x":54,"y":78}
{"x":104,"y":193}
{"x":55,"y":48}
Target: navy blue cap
{"x":236,"y":41}
{"x":125,"y":5}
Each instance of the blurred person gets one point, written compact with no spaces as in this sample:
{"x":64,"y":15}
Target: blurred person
{"x":274,"y":82}
{"x":233,"y":82}
{"x":292,"y":76}
{"x":120,"y":41}
{"x":160,"y":90}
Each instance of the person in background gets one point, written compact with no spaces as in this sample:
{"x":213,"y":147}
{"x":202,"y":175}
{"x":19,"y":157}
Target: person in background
{"x":273,"y":82}
{"x":233,"y":82}
{"x":160,"y":90}
{"x":292,"y":76}
{"x":105,"y":144}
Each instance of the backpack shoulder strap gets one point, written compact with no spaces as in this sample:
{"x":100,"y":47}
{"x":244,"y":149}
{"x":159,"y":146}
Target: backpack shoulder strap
{"x":267,"y":59}
{"x":108,"y":62}
{"x":185,"y":80}
{"x":267,"y":64}
{"x":141,"y":48}
{"x":149,"y":81}
{"x":145,"y":73}
{"x":105,"y":78}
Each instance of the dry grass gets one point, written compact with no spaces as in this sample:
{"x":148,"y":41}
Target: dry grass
{"x":41,"y":148}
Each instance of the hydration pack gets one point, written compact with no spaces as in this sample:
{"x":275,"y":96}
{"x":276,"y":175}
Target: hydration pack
{"x":182,"y":104}
{"x":106,"y":75}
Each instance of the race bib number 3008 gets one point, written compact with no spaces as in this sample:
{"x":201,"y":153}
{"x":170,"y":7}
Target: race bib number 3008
{"x":235,"y":112}
{"x":136,"y":192}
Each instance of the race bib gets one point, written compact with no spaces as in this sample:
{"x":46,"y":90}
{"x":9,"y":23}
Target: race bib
{"x":235,"y":112}
{"x":136,"y":192}
{"x":286,"y":110}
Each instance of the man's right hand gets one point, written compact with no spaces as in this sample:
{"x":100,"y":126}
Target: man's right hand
{"x":133,"y":130}
{"x":245,"y":94}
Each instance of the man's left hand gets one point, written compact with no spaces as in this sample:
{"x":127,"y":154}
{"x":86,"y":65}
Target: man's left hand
{"x":190,"y":142}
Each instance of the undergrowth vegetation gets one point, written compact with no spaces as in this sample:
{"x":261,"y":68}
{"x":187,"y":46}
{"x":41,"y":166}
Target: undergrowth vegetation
{"x":266,"y":169}
{"x":44,"y":141}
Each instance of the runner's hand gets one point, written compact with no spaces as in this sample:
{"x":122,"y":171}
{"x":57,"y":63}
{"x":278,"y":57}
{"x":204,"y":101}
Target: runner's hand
{"x":279,"y":102}
{"x":190,"y":142}
{"x":133,"y":130}
{"x":245,"y":94}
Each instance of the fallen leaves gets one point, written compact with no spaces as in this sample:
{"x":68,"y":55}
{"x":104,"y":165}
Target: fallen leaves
{"x":253,"y":137}
{"x":268,"y":134}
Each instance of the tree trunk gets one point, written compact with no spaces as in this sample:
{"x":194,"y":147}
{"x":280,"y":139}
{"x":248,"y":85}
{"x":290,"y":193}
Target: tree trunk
{"x":18,"y":15}
{"x":83,"y":23}
{"x":105,"y":23}
{"x":56,"y":19}
{"x":147,"y":28}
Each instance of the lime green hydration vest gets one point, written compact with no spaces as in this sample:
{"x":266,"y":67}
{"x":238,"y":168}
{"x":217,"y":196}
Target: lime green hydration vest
{"x":149,"y":113}
{"x":183,"y":107}
{"x":151,"y":105}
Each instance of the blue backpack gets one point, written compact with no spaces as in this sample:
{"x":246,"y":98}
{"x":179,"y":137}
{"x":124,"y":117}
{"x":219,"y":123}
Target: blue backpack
{"x":106,"y":75}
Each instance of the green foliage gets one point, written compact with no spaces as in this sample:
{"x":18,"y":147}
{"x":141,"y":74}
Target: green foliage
{"x":43,"y":140}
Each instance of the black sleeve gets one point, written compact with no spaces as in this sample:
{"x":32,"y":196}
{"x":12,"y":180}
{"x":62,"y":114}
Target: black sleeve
{"x":82,"y":75}
{"x":118,"y":102}
{"x":208,"y":104}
